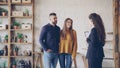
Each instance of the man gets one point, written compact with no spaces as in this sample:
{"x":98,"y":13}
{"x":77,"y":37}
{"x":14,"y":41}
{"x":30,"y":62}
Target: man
{"x":49,"y":40}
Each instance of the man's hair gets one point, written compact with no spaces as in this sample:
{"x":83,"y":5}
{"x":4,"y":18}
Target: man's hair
{"x":52,"y":14}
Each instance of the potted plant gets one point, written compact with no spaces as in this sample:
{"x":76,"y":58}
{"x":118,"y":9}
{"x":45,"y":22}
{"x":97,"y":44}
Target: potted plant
{"x":26,"y":12}
{"x":16,"y":24}
{"x":4,"y":64}
{"x":20,"y":37}
{"x":14,"y":64}
{"x":15,"y":51}
{"x":6,"y":38}
{"x":4,"y":12}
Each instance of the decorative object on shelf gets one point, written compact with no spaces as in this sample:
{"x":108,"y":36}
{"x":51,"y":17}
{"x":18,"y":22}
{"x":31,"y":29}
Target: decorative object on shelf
{"x":27,"y":53}
{"x":15,"y":51}
{"x":26,"y":1}
{"x":1,"y":11}
{"x":5,"y":50}
{"x":0,"y":21}
{"x":26,"y":26}
{"x":16,"y":24}
{"x":1,"y":52}
{"x":3,"y":26}
{"x":14,"y":64}
{"x":17,"y":13}
{"x":3,"y":1}
{"x":26,"y":12}
{"x":6,"y":39}
{"x":24,"y":64}
{"x":19,"y":37}
{"x":16,"y":1}
{"x":4,"y":12}
{"x":25,"y":39}
{"x":0,"y":39}
{"x":4,"y":64}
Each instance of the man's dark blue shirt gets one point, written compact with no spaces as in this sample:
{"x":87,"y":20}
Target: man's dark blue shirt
{"x":50,"y":38}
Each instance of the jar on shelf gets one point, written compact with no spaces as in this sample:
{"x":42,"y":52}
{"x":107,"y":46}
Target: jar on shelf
{"x":25,"y":38}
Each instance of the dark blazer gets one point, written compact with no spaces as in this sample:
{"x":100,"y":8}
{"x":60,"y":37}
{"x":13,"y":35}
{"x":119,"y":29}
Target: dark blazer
{"x":50,"y":38}
{"x":95,"y":48}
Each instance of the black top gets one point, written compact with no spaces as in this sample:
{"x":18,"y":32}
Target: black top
{"x":95,"y":48}
{"x":50,"y":37}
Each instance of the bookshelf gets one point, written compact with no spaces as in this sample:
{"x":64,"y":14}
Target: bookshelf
{"x":19,"y":40}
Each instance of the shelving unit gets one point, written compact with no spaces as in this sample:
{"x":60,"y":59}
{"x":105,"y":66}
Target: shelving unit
{"x":12,"y":32}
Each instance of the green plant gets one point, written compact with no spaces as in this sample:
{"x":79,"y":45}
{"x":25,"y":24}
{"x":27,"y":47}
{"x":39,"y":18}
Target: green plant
{"x":4,"y":64}
{"x":0,"y":21}
{"x":6,"y":37}
{"x":14,"y":62}
{"x":19,"y":35}
{"x":26,"y":11}
{"x":4,"y":10}
{"x":16,"y":49}
{"x":15,"y":23}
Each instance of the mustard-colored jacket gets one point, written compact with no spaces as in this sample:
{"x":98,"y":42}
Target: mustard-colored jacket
{"x":68,"y":45}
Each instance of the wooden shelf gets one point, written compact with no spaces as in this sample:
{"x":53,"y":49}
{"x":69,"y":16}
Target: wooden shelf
{"x":3,"y":16}
{"x":110,"y":33}
{"x":20,"y":43}
{"x":3,"y":3}
{"x":3,"y":43}
{"x":108,"y":40}
{"x":108,"y":58}
{"x":21,"y":29}
{"x":4,"y":30}
{"x":21,"y":16}
{"x":21,"y":3}
{"x":105,"y":49}
{"x":21,"y":56}
{"x":3,"y":56}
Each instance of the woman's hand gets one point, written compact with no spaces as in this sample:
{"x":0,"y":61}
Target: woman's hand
{"x":73,"y":58}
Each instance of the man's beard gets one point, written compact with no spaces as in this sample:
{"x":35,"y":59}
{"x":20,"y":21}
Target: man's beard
{"x":54,"y":23}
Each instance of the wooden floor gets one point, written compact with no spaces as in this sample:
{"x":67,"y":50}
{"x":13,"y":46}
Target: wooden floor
{"x":80,"y":63}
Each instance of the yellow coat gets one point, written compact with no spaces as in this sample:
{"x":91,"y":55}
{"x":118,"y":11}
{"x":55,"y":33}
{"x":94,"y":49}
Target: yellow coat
{"x":68,"y":45}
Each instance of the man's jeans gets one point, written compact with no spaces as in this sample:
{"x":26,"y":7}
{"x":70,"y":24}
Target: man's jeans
{"x":65,"y":60}
{"x":50,"y":60}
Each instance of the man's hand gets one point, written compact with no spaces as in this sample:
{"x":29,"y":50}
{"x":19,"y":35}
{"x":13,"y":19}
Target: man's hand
{"x":49,"y":50}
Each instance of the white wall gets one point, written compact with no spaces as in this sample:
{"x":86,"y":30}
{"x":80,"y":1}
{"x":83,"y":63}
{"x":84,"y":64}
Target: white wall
{"x":78,"y":10}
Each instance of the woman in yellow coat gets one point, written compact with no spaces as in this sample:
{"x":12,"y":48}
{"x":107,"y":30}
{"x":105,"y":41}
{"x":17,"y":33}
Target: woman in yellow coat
{"x":68,"y":44}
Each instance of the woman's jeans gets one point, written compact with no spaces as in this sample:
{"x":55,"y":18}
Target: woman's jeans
{"x":65,"y":60}
{"x":50,"y":60}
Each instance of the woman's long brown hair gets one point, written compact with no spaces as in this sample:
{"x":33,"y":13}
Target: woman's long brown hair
{"x":65,"y":29}
{"x":98,"y":23}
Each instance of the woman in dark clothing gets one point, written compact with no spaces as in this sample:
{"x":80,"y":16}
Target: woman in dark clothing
{"x":96,"y":41}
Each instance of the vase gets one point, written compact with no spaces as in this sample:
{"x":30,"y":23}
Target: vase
{"x":3,"y":13}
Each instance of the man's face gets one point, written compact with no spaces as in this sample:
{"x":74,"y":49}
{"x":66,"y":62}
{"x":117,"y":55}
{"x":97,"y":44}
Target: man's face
{"x":53,"y":19}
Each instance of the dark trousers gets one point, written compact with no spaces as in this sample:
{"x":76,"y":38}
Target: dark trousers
{"x":95,"y":62}
{"x":65,"y":60}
